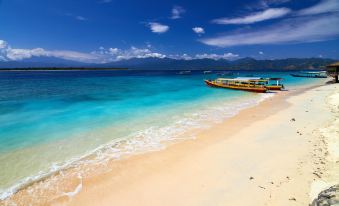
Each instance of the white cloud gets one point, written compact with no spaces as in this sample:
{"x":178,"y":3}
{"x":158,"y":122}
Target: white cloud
{"x":81,"y":18}
{"x":100,"y":56}
{"x":134,"y":52}
{"x":198,"y":30}
{"x":75,"y":56}
{"x":19,"y":54}
{"x":3,"y":44}
{"x":296,"y":30}
{"x":267,"y":14}
{"x":261,"y":53}
{"x":115,"y":54}
{"x":177,"y":11}
{"x":8,"y":53}
{"x":158,"y":28}
{"x":268,"y":3}
{"x":178,"y":56}
{"x":325,"y":6}
{"x":227,"y":56}
{"x":114,"y":50}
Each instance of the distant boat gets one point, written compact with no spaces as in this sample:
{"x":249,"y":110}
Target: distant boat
{"x":320,"y":74}
{"x":184,"y":72}
{"x":240,"y":83}
{"x":207,"y":72}
{"x":251,"y":84}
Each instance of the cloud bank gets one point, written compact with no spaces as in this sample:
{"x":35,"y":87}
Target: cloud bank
{"x":102,"y":55}
{"x":7,"y":53}
{"x":225,"y":56}
{"x":116,"y":54}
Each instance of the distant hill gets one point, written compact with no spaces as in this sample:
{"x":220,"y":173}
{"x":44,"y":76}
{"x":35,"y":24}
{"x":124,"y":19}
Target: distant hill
{"x":167,"y":63}
{"x":40,"y":62}
{"x":179,"y":64}
{"x":244,"y":64}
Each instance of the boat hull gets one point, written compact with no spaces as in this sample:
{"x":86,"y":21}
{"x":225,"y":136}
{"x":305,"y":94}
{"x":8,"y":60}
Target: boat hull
{"x":248,"y":89}
{"x":274,"y":87}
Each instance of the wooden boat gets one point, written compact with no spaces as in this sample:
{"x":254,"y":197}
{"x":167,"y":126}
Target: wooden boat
{"x":320,"y":74}
{"x":273,"y":83}
{"x":277,"y":85}
{"x":245,"y":84}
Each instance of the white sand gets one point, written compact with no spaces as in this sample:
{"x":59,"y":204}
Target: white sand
{"x":329,"y":136}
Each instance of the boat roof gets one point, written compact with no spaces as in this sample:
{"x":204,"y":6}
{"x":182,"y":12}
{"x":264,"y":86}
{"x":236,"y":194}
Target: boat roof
{"x":258,"y":78}
{"x":336,"y":64}
{"x":248,"y":79}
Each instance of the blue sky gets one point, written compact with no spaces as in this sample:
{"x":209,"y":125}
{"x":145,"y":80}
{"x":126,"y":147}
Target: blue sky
{"x":111,"y":30}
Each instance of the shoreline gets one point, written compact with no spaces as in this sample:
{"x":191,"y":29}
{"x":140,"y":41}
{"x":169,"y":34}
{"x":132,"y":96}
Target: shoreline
{"x":154,"y":160}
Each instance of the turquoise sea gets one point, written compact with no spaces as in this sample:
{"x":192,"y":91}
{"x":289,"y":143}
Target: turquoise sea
{"x":51,"y":119}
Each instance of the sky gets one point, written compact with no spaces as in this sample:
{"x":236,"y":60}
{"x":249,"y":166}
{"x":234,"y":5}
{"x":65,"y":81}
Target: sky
{"x":101,"y":31}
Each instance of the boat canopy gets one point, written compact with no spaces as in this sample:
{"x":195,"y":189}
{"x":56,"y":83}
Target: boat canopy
{"x":259,"y":78}
{"x":247,"y":78}
{"x":244,"y":79}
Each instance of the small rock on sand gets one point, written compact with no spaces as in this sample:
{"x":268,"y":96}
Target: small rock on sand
{"x":316,"y":174}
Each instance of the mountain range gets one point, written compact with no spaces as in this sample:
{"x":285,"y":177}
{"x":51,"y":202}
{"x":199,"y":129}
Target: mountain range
{"x":177,"y":64}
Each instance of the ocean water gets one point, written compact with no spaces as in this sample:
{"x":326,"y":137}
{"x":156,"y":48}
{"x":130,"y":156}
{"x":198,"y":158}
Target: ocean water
{"x":52,"y":119}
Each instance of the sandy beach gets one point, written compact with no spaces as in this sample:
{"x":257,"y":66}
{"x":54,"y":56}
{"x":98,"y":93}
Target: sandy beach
{"x":281,"y":152}
{"x":267,"y":155}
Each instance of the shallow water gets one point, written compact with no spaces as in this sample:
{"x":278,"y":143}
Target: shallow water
{"x":50,"y":119}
